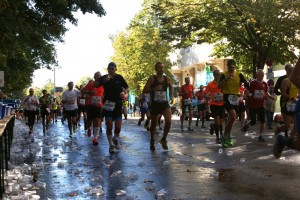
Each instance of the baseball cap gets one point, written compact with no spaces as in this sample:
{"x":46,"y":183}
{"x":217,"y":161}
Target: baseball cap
{"x":112,"y":64}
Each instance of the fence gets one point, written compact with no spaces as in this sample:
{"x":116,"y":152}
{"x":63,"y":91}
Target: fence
{"x":6,"y":136}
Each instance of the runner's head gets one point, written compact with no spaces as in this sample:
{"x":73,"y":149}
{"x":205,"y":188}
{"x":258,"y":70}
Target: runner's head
{"x":70,"y":85}
{"x":112,"y":68}
{"x":231,"y":64}
{"x":260,"y":75}
{"x":216,"y":74}
{"x":159,"y":68}
{"x":187,"y":80}
{"x":97,"y":75}
{"x":44,"y":92}
{"x":287,"y":67}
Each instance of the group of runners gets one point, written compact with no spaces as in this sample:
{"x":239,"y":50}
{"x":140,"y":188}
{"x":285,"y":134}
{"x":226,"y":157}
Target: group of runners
{"x":104,"y":97}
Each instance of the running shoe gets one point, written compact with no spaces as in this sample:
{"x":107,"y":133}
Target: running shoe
{"x":190,"y":129}
{"x":152,"y":146}
{"x":261,"y":139}
{"x":70,"y":135}
{"x":229,"y":142}
{"x":196,"y":123}
{"x":224,"y":142}
{"x":278,"y":146}
{"x":111,"y":149}
{"x":164,"y":144}
{"x":89,"y":133}
{"x":74,"y":129}
{"x":139,"y":123}
{"x":95,"y":141}
{"x":218,"y":141}
{"x":116,"y":143}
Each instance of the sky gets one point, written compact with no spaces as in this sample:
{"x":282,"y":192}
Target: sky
{"x":87,"y":47}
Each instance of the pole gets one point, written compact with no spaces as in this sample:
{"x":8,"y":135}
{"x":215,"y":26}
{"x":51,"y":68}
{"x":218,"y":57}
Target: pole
{"x":54,"y":80}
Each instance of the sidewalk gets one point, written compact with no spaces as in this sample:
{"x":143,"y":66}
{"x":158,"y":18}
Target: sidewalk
{"x":194,"y":167}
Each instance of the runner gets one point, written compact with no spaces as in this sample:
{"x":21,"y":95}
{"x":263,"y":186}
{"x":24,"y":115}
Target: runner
{"x":94,"y":108}
{"x":230,"y":82}
{"x":82,"y":108}
{"x":216,"y":105}
{"x":294,"y":141}
{"x":187,"y":93}
{"x":46,"y":104}
{"x":158,"y":85}
{"x":258,"y":93}
{"x":30,"y":103}
{"x":55,"y":107}
{"x":115,"y":89}
{"x":69,"y":99}
{"x":201,"y":105}
{"x":144,"y":100}
{"x":289,"y":95}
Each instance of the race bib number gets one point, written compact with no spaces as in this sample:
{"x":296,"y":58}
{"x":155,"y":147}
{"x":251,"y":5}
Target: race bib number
{"x":32,"y":107}
{"x":48,"y":110}
{"x":145,"y":105}
{"x":258,"y":94}
{"x":187,"y":102}
{"x":200,"y":101}
{"x":290,"y":106}
{"x":218,"y":97}
{"x":96,"y":100}
{"x":160,"y":96}
{"x":109,"y":105}
{"x":233,"y":100}
{"x":82,"y":101}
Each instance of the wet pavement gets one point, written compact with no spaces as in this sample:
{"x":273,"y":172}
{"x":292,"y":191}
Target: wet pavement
{"x":194,"y":167}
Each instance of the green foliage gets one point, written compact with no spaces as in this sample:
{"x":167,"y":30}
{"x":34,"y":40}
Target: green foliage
{"x":139,"y":48}
{"x":28,"y":31}
{"x":84,"y":81}
{"x":249,"y":30}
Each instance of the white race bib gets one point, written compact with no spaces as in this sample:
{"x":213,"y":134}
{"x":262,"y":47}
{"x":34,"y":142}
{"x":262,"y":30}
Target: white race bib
{"x":233,"y":100}
{"x":160,"y":96}
{"x":109,"y":105}
{"x":145,"y":105}
{"x":259,"y":94}
{"x":218,"y":97}
{"x":82,"y":101}
{"x":200,"y":101}
{"x":32,"y":107}
{"x":96,"y":100}
{"x":187,"y":102}
{"x":48,"y":110}
{"x":290,"y":106}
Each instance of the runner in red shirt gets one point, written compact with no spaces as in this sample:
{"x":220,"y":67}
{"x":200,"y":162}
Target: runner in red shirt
{"x":94,"y":107}
{"x":258,"y":92}
{"x":187,"y":93}
{"x":216,"y":105}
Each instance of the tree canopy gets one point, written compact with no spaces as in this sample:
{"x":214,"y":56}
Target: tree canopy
{"x":251,"y":31}
{"x":139,"y":48}
{"x":28,"y":31}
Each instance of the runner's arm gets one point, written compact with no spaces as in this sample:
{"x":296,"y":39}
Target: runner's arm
{"x":295,"y":75}
{"x":148,"y":85}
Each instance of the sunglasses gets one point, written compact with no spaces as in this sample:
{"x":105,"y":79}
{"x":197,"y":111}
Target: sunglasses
{"x":111,"y":68}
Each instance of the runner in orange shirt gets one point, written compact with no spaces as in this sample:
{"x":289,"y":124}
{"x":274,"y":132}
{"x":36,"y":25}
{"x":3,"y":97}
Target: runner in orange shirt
{"x":94,"y":108}
{"x":187,"y":93}
{"x":216,"y":105}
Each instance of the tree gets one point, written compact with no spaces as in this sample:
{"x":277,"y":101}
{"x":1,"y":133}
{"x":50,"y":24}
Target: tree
{"x":28,"y":31}
{"x":84,"y":81}
{"x":249,"y":30}
{"x":139,"y":48}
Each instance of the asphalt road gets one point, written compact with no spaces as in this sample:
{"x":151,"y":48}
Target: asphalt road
{"x":194,"y":167}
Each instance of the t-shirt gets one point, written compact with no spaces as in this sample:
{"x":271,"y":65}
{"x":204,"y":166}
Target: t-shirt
{"x":113,"y":87}
{"x":71,"y":97}
{"x":187,"y":88}
{"x":31,"y":102}
{"x":232,"y":85}
{"x":258,"y":92}
{"x":95,"y":99}
{"x":215,"y":93}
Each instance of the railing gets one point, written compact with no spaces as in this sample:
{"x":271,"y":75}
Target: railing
{"x":6,"y":136}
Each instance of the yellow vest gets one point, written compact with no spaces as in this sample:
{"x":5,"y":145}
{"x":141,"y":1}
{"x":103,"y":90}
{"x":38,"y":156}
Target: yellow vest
{"x":293,"y":91}
{"x":232,"y":85}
